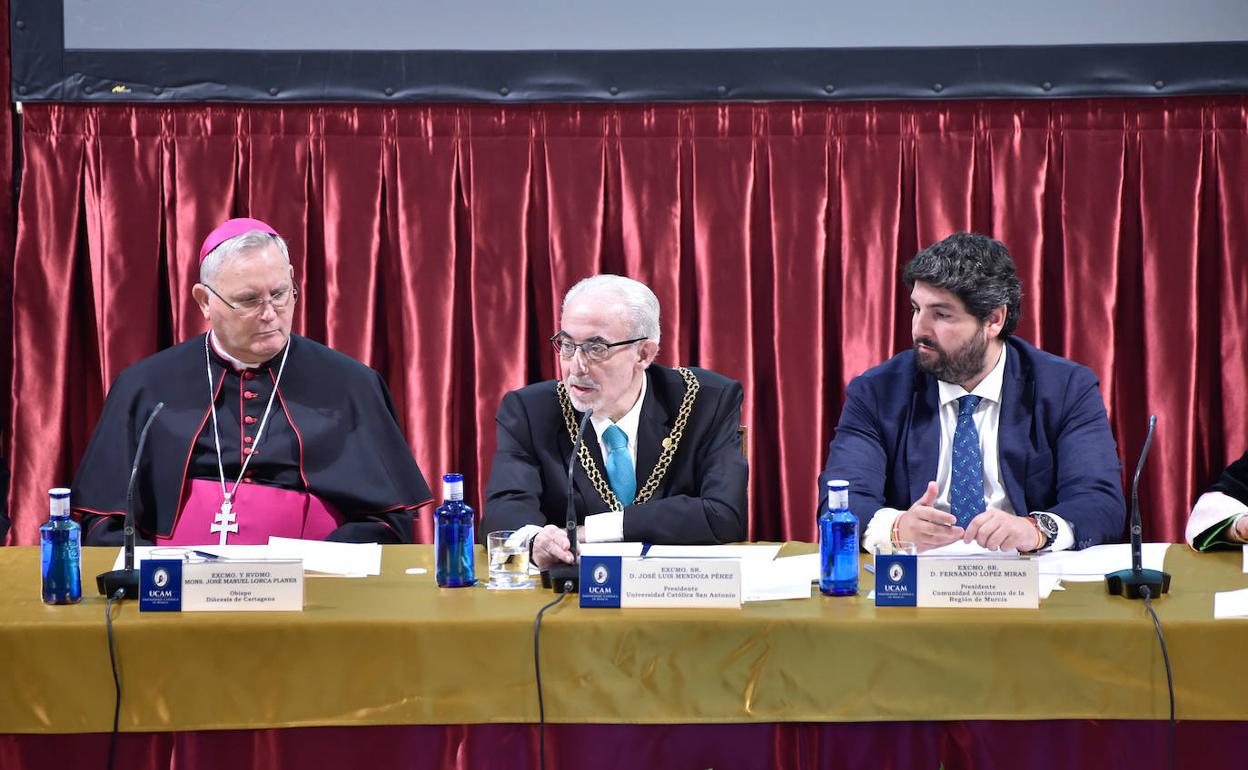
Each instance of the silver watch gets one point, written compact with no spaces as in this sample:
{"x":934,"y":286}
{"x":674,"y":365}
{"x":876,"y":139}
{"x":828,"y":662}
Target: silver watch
{"x":1048,"y":527}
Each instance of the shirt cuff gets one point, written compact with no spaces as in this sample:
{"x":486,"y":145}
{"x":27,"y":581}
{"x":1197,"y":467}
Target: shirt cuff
{"x":604,"y":527}
{"x":1065,"y":534}
{"x":879,"y":532}
{"x":1213,"y":514}
{"x":523,"y":536}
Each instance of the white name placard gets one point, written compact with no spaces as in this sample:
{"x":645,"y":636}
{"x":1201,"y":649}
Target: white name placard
{"x":903,"y":580}
{"x":970,"y":582}
{"x":233,"y":586}
{"x":615,"y":581}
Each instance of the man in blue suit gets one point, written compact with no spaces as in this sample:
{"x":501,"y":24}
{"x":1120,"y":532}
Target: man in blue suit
{"x":975,"y":435}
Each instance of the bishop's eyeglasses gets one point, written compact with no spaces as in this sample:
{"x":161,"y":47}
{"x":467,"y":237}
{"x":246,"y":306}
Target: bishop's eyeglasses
{"x":280,"y":300}
{"x":595,"y":350}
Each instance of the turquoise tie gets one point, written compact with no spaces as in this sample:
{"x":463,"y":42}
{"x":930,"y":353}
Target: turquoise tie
{"x":620,"y":471}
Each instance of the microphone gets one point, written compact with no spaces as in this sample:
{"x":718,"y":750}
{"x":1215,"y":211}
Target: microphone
{"x":566,"y":578}
{"x":1137,"y":582}
{"x":126,"y":579}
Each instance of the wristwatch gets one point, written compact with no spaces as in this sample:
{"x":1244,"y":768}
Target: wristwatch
{"x":1047,"y":526}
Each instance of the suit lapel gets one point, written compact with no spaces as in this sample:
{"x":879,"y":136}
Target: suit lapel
{"x":923,"y":441}
{"x":653,"y":426}
{"x":1017,"y":399}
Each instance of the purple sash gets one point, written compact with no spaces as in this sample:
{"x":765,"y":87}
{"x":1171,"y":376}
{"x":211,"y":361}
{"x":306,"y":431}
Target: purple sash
{"x":261,"y":511}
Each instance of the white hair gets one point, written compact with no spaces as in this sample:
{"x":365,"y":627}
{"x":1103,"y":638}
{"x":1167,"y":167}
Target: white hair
{"x":635,"y":300}
{"x":231,"y":248}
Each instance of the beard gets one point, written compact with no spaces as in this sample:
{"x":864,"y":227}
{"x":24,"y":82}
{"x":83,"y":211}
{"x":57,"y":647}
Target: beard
{"x":579,"y":403}
{"x":956,"y":366}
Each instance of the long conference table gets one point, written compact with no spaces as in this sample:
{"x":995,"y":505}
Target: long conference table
{"x":391,"y":671}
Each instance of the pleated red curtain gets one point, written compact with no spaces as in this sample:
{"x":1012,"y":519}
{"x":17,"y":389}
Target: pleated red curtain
{"x":8,"y":236}
{"x":434,"y":243}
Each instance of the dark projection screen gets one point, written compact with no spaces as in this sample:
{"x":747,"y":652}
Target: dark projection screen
{"x":553,"y":50}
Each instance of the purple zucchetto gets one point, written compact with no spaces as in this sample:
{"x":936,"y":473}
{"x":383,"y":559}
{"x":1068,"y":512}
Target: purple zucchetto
{"x":230,"y":229}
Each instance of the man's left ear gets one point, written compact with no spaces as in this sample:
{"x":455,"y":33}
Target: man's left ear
{"x":996,"y":320}
{"x":646,"y":352}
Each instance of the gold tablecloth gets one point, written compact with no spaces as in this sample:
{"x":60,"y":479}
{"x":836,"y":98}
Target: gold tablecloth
{"x":396,"y":649}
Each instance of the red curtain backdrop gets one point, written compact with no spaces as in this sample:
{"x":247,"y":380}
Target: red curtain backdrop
{"x":8,"y":220}
{"x":434,"y":242}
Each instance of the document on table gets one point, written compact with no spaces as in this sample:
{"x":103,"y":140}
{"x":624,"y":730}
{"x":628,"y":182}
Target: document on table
{"x":787,"y":578}
{"x":319,"y":557}
{"x":761,"y":552}
{"x":959,"y":548}
{"x":610,"y":549}
{"x":241,"y":552}
{"x":1092,"y":564}
{"x":326,"y":558}
{"x":1230,"y":604}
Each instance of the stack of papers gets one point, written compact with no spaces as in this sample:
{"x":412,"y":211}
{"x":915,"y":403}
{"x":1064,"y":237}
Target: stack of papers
{"x":319,"y":557}
{"x":1092,"y":564}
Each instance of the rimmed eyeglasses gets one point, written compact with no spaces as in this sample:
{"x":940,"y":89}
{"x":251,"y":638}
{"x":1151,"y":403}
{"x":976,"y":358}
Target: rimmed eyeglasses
{"x":595,"y":350}
{"x":280,"y":300}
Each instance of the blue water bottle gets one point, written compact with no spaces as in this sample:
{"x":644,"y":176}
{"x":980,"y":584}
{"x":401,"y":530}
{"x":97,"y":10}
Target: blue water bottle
{"x":838,"y":544}
{"x":452,"y":535}
{"x":60,"y":539}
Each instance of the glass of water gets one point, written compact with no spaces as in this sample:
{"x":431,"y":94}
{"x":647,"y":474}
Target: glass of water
{"x":509,"y":560}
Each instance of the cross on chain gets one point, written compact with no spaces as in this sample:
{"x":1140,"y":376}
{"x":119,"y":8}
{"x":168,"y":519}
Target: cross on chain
{"x":224,"y":522}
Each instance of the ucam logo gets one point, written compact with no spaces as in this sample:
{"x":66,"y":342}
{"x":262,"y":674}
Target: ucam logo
{"x":896,"y":572}
{"x":600,"y":574}
{"x":160,"y":578}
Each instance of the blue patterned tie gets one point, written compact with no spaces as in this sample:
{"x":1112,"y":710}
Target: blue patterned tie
{"x":619,"y":465}
{"x":966,"y":490}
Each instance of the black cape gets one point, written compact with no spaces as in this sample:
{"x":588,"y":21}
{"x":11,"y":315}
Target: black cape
{"x":333,"y":432}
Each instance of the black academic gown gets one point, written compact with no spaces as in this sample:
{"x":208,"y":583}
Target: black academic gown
{"x":701,"y":500}
{"x":332,"y":432}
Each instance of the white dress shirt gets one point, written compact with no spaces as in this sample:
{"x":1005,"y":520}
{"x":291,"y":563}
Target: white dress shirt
{"x":987,"y":418}
{"x":608,"y":527}
{"x":605,"y":527}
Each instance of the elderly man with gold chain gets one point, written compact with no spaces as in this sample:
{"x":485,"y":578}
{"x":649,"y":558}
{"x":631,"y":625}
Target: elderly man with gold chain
{"x":663,"y":461}
{"x":263,"y":432}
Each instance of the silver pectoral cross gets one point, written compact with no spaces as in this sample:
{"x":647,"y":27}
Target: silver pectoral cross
{"x":224,"y":522}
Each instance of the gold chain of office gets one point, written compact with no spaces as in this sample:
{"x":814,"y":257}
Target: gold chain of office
{"x":670,"y":444}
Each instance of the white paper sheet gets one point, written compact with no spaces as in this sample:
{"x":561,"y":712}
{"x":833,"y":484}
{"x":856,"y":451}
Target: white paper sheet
{"x":343,"y":559}
{"x":318,"y":556}
{"x":1049,"y":584}
{"x":959,"y":548}
{"x":610,"y":549}
{"x":787,"y":578}
{"x":1246,"y":558}
{"x":250,"y":552}
{"x":808,"y":563}
{"x":742,"y":552}
{"x":1230,"y":604}
{"x":1092,"y":564}
{"x":770,"y":580}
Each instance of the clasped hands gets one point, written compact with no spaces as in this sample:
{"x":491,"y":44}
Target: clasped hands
{"x":994,"y":529}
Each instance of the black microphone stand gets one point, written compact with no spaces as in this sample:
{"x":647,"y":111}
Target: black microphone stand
{"x":566,"y":578}
{"x":1137,"y":582}
{"x":126,"y":579}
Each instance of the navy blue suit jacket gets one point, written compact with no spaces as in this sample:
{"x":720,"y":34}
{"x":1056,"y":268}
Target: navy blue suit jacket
{"x":1057,"y":453}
